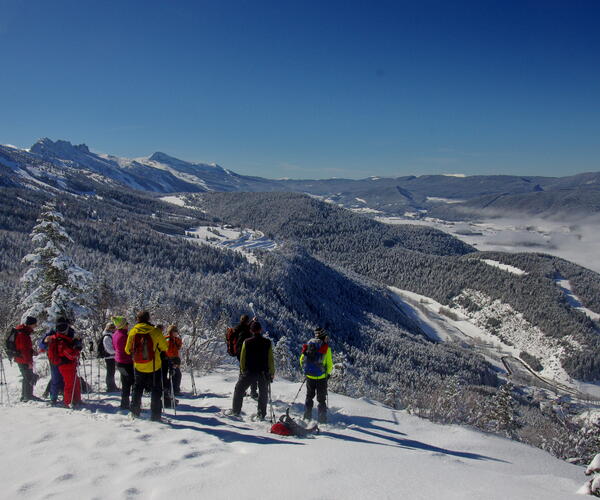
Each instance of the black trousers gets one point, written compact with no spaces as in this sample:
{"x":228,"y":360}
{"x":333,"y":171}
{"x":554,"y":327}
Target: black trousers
{"x":110,"y":375}
{"x":127,"y":380}
{"x":29,"y":379}
{"x":152,"y":382}
{"x":318,"y":387}
{"x":253,"y":385}
{"x":246,"y":380}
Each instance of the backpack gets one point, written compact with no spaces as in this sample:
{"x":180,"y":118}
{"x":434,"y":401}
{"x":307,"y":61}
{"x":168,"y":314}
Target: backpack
{"x":287,"y":426}
{"x":11,"y":344}
{"x":53,"y":351}
{"x":101,"y":350}
{"x":314,"y":353}
{"x":231,"y":340}
{"x":143,"y":348}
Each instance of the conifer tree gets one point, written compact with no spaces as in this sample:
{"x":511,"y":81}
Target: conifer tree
{"x":54,"y":285}
{"x":285,"y":362}
{"x":502,"y":411}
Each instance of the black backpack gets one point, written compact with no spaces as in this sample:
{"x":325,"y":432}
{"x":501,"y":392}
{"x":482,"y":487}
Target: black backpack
{"x":101,"y":351}
{"x":11,"y":344}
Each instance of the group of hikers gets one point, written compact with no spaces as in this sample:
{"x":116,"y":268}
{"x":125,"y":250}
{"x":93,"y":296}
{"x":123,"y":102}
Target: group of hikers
{"x":147,"y":359}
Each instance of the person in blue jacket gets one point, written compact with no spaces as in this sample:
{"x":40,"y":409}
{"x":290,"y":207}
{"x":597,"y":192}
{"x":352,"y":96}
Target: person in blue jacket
{"x":317,"y":365}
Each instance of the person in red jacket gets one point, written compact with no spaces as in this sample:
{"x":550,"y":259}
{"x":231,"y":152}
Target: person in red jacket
{"x":68,"y":348}
{"x":24,"y":358}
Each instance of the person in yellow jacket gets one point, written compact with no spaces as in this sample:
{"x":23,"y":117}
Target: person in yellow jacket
{"x":317,"y":365}
{"x":145,"y":342}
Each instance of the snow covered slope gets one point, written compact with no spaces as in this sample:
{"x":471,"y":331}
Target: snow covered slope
{"x":368,"y":451}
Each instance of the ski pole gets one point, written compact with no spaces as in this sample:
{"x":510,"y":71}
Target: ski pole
{"x":251,"y":305}
{"x":193,"y":381}
{"x":3,"y":383}
{"x":75,"y":381}
{"x":271,"y":404}
{"x":172,"y":392}
{"x":296,"y":397}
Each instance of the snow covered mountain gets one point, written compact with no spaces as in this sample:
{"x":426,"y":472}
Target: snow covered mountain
{"x":367,"y":451}
{"x":64,"y":166}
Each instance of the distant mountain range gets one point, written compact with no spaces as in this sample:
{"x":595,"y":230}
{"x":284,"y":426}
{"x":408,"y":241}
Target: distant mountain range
{"x":60,"y":165}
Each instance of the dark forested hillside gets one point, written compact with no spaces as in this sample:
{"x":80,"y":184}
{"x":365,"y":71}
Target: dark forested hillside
{"x":427,"y":262}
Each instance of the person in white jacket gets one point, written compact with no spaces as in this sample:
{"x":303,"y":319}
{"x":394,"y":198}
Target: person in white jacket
{"x":107,"y":352}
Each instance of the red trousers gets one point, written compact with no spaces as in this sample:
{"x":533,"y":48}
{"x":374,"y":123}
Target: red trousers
{"x":69,"y":375}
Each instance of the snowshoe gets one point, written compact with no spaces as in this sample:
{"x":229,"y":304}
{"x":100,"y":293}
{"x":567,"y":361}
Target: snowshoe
{"x":232,"y":415}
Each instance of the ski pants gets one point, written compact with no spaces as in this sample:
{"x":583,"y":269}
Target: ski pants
{"x":56,"y":384}
{"x":72,"y":393}
{"x":151,"y":381}
{"x":29,"y":379}
{"x":110,"y":375}
{"x":253,"y":385}
{"x":127,"y":380}
{"x":246,"y":380}
{"x":176,"y":378}
{"x":319,"y":387}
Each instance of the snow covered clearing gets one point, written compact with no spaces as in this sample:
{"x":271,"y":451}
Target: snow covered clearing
{"x":443,"y":200}
{"x":504,"y":267}
{"x":573,"y":300}
{"x":365,"y":210}
{"x":241,"y":240}
{"x":367,"y":451}
{"x":174,"y":200}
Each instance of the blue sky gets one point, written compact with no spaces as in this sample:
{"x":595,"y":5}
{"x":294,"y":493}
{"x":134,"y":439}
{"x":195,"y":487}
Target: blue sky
{"x":310,"y":89}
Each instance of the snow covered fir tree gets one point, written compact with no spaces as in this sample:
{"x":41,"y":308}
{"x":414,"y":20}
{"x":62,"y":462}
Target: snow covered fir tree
{"x":53,"y":285}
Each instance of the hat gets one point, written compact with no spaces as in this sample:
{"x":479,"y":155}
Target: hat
{"x":255,"y":327}
{"x":109,"y":326}
{"x":119,"y":321}
{"x":62,"y":324}
{"x":30,"y":320}
{"x":320,"y":333}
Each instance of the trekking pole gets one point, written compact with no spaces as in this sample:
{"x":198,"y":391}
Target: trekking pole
{"x":271,"y":404}
{"x":172,"y":391}
{"x":75,"y":381}
{"x":193,"y":381}
{"x":296,"y":396}
{"x":3,"y":383}
{"x":251,"y":305}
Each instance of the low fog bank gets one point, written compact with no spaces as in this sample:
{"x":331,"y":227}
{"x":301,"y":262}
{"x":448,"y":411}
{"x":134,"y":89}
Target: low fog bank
{"x":574,"y":239}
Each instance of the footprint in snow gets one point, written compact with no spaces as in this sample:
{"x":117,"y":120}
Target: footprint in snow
{"x":132,"y":492}
{"x":45,"y":437}
{"x":64,"y":477}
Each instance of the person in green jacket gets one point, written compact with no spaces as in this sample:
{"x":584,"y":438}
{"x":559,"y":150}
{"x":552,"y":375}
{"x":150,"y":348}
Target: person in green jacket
{"x":317,"y":365}
{"x":145,"y":342}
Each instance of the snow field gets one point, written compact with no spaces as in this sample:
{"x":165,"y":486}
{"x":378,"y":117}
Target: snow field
{"x":241,"y":240}
{"x":367,"y":451}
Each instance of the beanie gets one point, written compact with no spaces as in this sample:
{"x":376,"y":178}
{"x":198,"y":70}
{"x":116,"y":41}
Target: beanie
{"x":62,"y":324}
{"x":320,"y":333}
{"x":118,"y":321}
{"x":30,"y":320}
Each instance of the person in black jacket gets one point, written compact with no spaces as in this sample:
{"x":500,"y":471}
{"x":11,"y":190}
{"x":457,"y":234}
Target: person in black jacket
{"x":241,"y":333}
{"x":256,"y":365}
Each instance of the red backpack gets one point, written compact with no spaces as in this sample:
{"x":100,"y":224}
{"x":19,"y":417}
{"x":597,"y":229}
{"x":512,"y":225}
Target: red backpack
{"x":53,"y":351}
{"x":231,"y":339}
{"x":143,"y":348}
